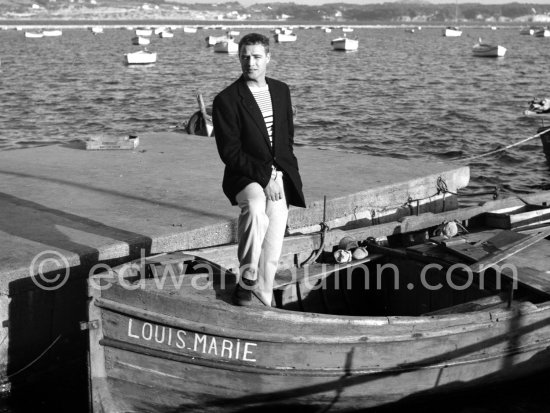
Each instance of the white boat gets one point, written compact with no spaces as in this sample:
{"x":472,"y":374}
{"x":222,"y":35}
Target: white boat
{"x":347,"y":29}
{"x":327,"y":29}
{"x":488,"y":50}
{"x":34,"y":35}
{"x":166,"y":34}
{"x":96,"y":30}
{"x":452,"y":32}
{"x":212,"y":40}
{"x":226,"y":46}
{"x":343,"y":43}
{"x":542,"y":33}
{"x":142,"y":57}
{"x":52,"y":33}
{"x":159,"y":30}
{"x":141,"y":31}
{"x":284,"y":38}
{"x":232,"y":33}
{"x":188,"y":29}
{"x":140,"y":41}
{"x":409,"y":30}
{"x":529,"y":31}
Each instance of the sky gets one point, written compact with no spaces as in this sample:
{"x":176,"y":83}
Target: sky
{"x":318,"y":2}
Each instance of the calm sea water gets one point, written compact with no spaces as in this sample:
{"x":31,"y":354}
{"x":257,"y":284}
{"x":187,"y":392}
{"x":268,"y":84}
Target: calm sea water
{"x":401,"y":95}
{"x":410,"y":96}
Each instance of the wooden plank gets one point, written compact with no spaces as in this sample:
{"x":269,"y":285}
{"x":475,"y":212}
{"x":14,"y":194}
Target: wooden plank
{"x":508,"y":250}
{"x":518,"y":216}
{"x":493,"y":301}
{"x":532,"y":267}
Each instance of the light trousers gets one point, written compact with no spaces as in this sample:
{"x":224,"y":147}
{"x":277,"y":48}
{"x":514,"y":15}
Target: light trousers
{"x":261,"y":230}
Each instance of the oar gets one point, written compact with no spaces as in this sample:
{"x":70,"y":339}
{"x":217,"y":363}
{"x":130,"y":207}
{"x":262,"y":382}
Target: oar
{"x":206,"y":118}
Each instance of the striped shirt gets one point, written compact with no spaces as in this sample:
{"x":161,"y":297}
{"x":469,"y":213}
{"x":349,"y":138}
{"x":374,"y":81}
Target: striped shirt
{"x":263,"y":99}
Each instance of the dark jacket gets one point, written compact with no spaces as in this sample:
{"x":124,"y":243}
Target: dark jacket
{"x":243,"y":141}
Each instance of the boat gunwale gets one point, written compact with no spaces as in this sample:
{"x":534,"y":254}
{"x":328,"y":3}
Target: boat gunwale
{"x":463,"y":323}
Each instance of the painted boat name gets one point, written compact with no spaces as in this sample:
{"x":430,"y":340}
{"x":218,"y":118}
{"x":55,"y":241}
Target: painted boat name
{"x":198,"y":343}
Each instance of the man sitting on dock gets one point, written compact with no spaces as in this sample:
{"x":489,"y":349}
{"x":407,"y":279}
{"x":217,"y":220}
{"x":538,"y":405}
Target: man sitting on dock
{"x":255,"y":135}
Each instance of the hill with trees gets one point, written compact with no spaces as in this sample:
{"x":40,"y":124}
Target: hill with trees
{"x":403,"y":11}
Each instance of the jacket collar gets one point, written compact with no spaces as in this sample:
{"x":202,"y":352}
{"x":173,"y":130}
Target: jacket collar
{"x":253,"y":109}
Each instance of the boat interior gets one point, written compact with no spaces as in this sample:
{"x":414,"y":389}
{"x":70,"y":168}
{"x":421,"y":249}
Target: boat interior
{"x":419,"y":274}
{"x":489,"y":262}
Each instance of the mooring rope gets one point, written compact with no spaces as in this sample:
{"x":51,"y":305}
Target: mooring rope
{"x":36,"y":359}
{"x":506,"y":147}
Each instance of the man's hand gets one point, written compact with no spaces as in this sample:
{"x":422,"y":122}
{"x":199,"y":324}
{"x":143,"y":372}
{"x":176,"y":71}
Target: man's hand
{"x":273,"y":191}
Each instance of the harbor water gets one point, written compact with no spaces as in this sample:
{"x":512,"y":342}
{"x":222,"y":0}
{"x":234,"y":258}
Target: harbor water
{"x":402,"y":95}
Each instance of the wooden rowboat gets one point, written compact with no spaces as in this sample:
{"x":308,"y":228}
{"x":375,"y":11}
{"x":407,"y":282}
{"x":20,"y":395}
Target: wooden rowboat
{"x":141,"y":57}
{"x":164,"y":335}
{"x":343,"y":43}
{"x":488,"y":50}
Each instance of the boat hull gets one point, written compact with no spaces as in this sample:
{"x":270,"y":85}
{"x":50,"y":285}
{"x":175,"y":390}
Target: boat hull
{"x":140,"y":41}
{"x":140,"y":58}
{"x":285,"y":38}
{"x":191,"y":350}
{"x":345,"y":44}
{"x":452,"y":32}
{"x":226,"y":47}
{"x":488,"y":51}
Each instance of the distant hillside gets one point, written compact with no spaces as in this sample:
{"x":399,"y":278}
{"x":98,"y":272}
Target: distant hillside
{"x":416,"y":11}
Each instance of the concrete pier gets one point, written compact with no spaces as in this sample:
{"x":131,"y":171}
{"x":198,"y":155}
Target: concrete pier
{"x":62,"y":207}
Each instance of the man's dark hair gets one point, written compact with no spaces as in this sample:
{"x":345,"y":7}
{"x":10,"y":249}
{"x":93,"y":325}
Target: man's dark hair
{"x":254,"y":38}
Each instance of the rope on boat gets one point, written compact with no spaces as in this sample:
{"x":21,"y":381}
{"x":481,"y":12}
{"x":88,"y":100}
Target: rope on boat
{"x":324,"y":230}
{"x":36,"y":359}
{"x":506,"y":147}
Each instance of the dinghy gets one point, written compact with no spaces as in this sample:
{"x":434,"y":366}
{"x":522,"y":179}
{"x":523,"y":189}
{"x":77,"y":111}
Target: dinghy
{"x":343,"y":43}
{"x":141,"y":57}
{"x":481,"y":49}
{"x":443,"y":302}
{"x":226,"y":46}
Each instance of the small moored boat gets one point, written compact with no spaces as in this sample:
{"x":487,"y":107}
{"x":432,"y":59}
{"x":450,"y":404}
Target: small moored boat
{"x":141,"y":41}
{"x":488,"y":50}
{"x":52,"y":33}
{"x":143,"y":31}
{"x":285,"y":37}
{"x":542,"y":32}
{"x":345,"y":44}
{"x":443,"y":302}
{"x":452,"y":32}
{"x":141,"y":57}
{"x":212,"y":40}
{"x":166,"y":34}
{"x":96,"y":29}
{"x":34,"y":35}
{"x":226,"y":46}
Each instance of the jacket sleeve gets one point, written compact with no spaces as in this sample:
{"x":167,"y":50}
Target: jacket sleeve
{"x":290,"y":118}
{"x":228,"y":140}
